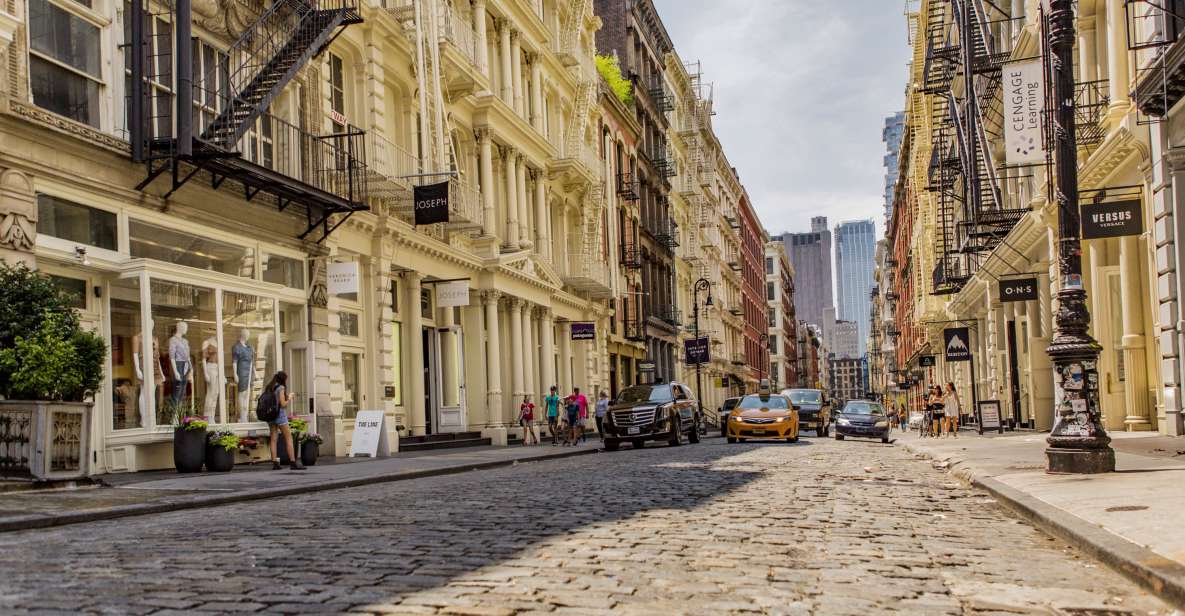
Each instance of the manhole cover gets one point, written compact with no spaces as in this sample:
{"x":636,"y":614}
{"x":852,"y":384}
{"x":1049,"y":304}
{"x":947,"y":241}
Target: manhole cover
{"x":1125,"y":508}
{"x":1092,"y":611}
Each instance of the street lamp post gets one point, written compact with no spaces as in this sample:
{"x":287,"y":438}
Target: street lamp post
{"x":1078,"y":442}
{"x":763,"y":348}
{"x":706,"y":285}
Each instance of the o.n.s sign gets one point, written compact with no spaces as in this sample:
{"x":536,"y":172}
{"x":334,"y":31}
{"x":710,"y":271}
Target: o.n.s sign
{"x":1114,"y":219}
{"x":1018,"y":289}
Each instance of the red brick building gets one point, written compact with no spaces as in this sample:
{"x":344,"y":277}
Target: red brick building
{"x":753,"y":239}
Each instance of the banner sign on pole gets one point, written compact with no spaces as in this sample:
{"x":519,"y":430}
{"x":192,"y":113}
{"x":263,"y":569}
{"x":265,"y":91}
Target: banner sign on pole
{"x":1018,"y":290}
{"x":956,"y":341}
{"x":1024,"y":98}
{"x":989,"y":416}
{"x":1113,"y":219}
{"x":453,"y":293}
{"x":696,"y":351}
{"x":370,"y":435}
{"x":926,"y":361}
{"x":584,"y":331}
{"x":646,"y":366}
{"x":431,"y":203}
{"x":342,"y":278}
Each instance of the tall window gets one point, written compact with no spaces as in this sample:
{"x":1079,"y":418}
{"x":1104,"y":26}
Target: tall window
{"x":337,"y":93}
{"x":64,"y":62}
{"x":158,"y":69}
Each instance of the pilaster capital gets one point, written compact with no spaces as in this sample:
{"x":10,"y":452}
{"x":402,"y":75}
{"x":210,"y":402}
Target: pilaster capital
{"x":479,"y":5}
{"x":512,"y":302}
{"x":490,"y":297}
{"x":1085,"y":23}
{"x":481,"y":135}
{"x":1175,"y":158}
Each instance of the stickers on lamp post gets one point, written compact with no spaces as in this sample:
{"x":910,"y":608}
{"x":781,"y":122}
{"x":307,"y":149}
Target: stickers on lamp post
{"x":1113,"y":219}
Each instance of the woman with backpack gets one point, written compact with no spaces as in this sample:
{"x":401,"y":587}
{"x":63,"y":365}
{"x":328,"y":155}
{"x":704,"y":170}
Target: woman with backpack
{"x":273,"y":408}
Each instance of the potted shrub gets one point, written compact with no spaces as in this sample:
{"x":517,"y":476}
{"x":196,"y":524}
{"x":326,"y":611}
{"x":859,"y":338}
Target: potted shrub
{"x":298,"y":427}
{"x":49,"y":368}
{"x":221,"y":447}
{"x":310,"y":448}
{"x":189,"y":444}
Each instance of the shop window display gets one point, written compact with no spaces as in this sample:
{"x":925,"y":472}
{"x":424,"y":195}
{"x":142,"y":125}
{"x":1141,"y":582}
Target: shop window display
{"x":184,"y":321}
{"x":129,"y":408}
{"x":153,"y":242}
{"x":283,"y":270}
{"x":249,"y":321}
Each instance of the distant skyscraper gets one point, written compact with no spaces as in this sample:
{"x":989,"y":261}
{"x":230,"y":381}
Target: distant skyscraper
{"x":855,"y":251}
{"x":810,"y":254}
{"x":891,"y":135}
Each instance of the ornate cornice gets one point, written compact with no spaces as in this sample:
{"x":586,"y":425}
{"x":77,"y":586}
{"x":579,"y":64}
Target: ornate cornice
{"x":56,"y":122}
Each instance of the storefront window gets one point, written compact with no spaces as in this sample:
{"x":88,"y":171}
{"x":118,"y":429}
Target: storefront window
{"x":128,"y":409}
{"x":75,"y":222}
{"x":185,"y":324}
{"x":348,"y":324}
{"x":73,"y":289}
{"x":397,"y":362}
{"x":283,"y":270}
{"x":249,"y":330}
{"x":350,"y":385}
{"x":153,"y":242}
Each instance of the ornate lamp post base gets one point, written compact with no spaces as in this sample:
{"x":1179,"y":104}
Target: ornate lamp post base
{"x":1066,"y":461}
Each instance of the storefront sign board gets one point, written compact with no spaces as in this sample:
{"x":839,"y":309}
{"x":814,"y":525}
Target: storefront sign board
{"x":1018,"y":290}
{"x":647,"y":366}
{"x":697,"y":351}
{"x":1024,"y":100}
{"x":431,"y":203}
{"x":342,"y":278}
{"x":956,"y":341}
{"x":370,"y":435}
{"x":926,"y":361}
{"x":584,"y":331}
{"x":454,"y":293}
{"x":1113,"y":219}
{"x":989,"y":416}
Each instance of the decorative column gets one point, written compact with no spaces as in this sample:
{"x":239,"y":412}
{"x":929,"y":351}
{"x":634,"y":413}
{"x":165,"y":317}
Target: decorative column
{"x":529,"y":358}
{"x":512,"y":224}
{"x":516,"y":68}
{"x":542,"y":226}
{"x":547,"y":351}
{"x":1117,"y":57}
{"x":1078,"y":442}
{"x":507,"y":63}
{"x":1088,"y":64}
{"x":18,"y":218}
{"x":1135,"y":390}
{"x":565,"y":357}
{"x":514,"y":305}
{"x":536,"y":93}
{"x":524,"y":230}
{"x":483,"y":49}
{"x":418,"y":414}
{"x":562,"y":242}
{"x":489,"y":207}
{"x":493,"y":357}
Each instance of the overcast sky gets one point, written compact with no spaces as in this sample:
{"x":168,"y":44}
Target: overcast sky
{"x":802,"y":90}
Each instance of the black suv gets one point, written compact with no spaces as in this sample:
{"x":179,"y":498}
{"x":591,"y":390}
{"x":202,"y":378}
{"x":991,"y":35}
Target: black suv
{"x":658,"y":412}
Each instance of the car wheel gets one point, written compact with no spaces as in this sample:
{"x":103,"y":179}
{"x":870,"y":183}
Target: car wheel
{"x":639,"y":443}
{"x":676,"y":433}
{"x":838,"y":436}
{"x":612,"y":444}
{"x":793,"y":439}
{"x":693,"y":436}
{"x":731,"y":439}
{"x":742,"y":439}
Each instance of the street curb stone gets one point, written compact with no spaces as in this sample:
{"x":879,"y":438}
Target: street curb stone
{"x":53,"y":520}
{"x":1158,"y":575}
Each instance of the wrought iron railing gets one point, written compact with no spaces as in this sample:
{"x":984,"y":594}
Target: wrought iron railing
{"x":334,"y":163}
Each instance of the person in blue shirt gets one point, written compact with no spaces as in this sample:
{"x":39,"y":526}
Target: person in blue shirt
{"x":552,"y":403}
{"x":602,"y":408}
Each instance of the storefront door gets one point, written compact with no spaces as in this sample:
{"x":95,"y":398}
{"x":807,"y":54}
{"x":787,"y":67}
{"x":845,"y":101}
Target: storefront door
{"x":449,"y":367}
{"x":298,"y":362}
{"x":1108,"y":327}
{"x":428,"y":342}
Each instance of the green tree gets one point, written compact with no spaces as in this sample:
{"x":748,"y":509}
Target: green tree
{"x":610,"y":69}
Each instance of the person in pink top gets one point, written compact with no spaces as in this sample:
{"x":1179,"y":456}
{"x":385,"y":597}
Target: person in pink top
{"x":582,"y":402}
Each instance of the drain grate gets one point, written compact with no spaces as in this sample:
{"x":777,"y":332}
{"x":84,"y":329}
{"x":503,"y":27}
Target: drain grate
{"x":1092,"y":611}
{"x":1125,"y":508}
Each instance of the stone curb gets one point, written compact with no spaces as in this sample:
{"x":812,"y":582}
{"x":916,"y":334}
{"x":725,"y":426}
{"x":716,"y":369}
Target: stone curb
{"x":52,"y":520}
{"x":1158,"y":575}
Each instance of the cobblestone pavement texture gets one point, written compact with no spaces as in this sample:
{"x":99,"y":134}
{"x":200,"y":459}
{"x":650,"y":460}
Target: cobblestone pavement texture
{"x":819,"y":527}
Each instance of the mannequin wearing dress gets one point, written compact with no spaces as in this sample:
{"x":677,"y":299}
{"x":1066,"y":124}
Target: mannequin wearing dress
{"x":242,"y":358}
{"x":210,"y":371}
{"x":179,"y":362}
{"x":158,"y":375}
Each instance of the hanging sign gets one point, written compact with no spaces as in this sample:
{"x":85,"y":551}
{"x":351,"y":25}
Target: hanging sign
{"x":1024,"y":99}
{"x":646,"y":366}
{"x":989,"y":416}
{"x":1114,"y":219}
{"x":455,"y":293}
{"x":926,"y":361}
{"x":956,"y":341}
{"x":370,"y":435}
{"x":431,"y":203}
{"x":342,"y":278}
{"x":584,"y":331}
{"x":1018,"y":290}
{"x":696,"y":351}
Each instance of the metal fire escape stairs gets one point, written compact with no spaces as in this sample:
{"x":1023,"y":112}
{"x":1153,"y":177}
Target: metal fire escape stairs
{"x":324,"y":173}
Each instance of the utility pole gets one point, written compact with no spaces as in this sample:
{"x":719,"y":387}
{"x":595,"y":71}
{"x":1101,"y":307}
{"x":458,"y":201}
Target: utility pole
{"x":1078,"y":443}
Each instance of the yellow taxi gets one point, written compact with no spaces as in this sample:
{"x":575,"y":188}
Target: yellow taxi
{"x":763,"y":416}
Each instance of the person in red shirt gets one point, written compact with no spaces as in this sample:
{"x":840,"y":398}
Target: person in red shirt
{"x":577,"y":423}
{"x":526,"y":419}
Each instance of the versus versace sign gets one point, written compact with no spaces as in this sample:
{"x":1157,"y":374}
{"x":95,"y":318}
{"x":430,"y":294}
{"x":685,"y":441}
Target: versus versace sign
{"x":584,"y":331}
{"x":1018,"y":290}
{"x":1114,"y":219}
{"x":696,"y":351}
{"x":1024,"y":99}
{"x":956,"y":340}
{"x":431,"y":203}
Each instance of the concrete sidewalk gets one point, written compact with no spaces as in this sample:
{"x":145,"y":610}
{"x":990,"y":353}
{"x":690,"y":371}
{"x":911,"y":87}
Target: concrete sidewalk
{"x":159,"y":491}
{"x":1129,"y":519}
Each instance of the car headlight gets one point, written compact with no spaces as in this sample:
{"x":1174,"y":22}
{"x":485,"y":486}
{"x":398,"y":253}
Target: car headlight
{"x":843,"y":422}
{"x":882,"y":423}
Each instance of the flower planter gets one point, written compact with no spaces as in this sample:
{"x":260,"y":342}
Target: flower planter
{"x":219,"y":460}
{"x":189,"y":449}
{"x":308,"y":454}
{"x":44,"y":441}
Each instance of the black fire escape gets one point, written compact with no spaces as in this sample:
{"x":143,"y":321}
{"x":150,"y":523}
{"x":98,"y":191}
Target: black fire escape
{"x":215,"y":119}
{"x":1154,"y":35}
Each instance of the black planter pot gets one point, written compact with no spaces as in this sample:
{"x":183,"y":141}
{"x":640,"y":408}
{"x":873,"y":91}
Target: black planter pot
{"x":219,"y":460}
{"x":308,"y":454}
{"x":189,"y":450}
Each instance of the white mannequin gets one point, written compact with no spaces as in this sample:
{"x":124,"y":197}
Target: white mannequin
{"x":180,"y":364}
{"x":210,"y":371}
{"x":243,"y":371}
{"x":158,"y":376}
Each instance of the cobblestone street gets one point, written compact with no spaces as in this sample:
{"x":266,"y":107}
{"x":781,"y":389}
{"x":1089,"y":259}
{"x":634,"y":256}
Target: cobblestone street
{"x":820,"y":527}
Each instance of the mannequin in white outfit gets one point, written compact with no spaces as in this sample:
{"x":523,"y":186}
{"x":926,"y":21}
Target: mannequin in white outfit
{"x":210,"y":371}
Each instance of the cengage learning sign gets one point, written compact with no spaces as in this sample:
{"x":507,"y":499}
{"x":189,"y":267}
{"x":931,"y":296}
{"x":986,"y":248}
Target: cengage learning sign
{"x":1114,"y":219}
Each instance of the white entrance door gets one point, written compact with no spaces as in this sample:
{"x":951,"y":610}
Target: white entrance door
{"x":298,"y":362}
{"x":1108,"y":327}
{"x":449,"y":366}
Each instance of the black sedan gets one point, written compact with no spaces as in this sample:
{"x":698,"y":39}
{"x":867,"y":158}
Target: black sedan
{"x":862,"y":418}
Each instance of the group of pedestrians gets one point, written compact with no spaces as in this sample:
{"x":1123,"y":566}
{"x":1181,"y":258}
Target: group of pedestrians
{"x":942,"y":412}
{"x":567,"y":417}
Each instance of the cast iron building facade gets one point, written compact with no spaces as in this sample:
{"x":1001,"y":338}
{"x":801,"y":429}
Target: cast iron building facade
{"x":855,"y":249}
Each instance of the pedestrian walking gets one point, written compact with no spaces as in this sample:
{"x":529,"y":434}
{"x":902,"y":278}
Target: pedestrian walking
{"x":582,"y":415}
{"x":902,"y":415}
{"x":552,"y":404}
{"x":526,"y":419}
{"x":276,"y":393}
{"x":937,"y":411}
{"x":953,"y":409}
{"x":571,"y":419}
{"x":602,"y":408}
